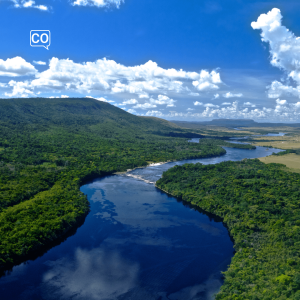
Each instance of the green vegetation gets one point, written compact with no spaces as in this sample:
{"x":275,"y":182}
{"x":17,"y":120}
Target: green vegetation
{"x":220,"y":142}
{"x":260,"y":205}
{"x":49,"y":147}
{"x":296,"y":151}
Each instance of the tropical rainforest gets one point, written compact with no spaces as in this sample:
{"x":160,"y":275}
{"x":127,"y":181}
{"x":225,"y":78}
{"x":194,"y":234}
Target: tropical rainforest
{"x":259,"y":203}
{"x":49,"y":147}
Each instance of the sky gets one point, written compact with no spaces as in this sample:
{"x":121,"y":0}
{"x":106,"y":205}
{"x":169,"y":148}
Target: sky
{"x":178,"y":60}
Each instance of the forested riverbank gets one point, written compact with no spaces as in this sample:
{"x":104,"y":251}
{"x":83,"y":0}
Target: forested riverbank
{"x":259,"y":203}
{"x":49,"y":147}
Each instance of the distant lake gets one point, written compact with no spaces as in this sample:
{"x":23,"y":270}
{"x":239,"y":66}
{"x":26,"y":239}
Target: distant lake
{"x":136,"y":243}
{"x":259,"y":135}
{"x":268,"y":134}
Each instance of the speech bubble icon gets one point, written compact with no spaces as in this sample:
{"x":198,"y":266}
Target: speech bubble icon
{"x":40,"y":38}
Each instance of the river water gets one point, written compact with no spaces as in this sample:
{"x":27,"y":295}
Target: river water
{"x":136,"y":243}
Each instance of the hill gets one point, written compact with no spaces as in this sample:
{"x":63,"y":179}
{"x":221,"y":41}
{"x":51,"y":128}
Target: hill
{"x":38,"y":113}
{"x":49,"y":147}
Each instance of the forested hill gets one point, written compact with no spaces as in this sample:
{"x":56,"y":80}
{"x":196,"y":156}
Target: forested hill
{"x":49,"y":147}
{"x":78,"y":112}
{"x":64,"y":111}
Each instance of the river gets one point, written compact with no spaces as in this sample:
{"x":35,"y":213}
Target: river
{"x":136,"y":243}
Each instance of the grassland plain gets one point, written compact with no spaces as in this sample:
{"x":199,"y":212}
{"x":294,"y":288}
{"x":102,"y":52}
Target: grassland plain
{"x":49,"y":147}
{"x":291,"y":161}
{"x":291,"y":139}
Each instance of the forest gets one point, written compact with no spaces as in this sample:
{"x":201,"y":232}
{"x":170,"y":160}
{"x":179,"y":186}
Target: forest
{"x":259,"y":204}
{"x":50,"y":147}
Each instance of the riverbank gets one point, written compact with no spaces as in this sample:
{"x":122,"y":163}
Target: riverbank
{"x":34,"y":224}
{"x":264,"y":225}
{"x":114,"y":209}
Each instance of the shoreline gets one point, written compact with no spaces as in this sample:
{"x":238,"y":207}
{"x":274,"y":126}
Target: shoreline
{"x":150,"y":165}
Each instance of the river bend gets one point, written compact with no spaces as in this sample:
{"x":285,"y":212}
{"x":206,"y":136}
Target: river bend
{"x":136,"y":243}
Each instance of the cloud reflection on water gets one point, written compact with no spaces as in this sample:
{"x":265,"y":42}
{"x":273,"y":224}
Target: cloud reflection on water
{"x":92,"y":274}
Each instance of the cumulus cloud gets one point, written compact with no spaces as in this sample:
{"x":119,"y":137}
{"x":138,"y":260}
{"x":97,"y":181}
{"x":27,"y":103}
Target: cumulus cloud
{"x":163,"y":100}
{"x":155,"y":113}
{"x":143,"y":95}
{"x":276,"y":89}
{"x":145,"y":81}
{"x":283,"y":111}
{"x":207,"y":81}
{"x":210,"y":105}
{"x":100,"y":99}
{"x":198,"y":103}
{"x":249,"y":104}
{"x":19,"y":89}
{"x":132,"y":111}
{"x":231,"y":95}
{"x":62,"y":96}
{"x":151,"y":103}
{"x":39,"y":62}
{"x":284,"y":50}
{"x":16,"y":66}
{"x":216,"y":96}
{"x":131,"y":101}
{"x":29,"y":4}
{"x":98,"y":3}
{"x":144,"y":106}
{"x":194,"y":94}
{"x":189,"y":109}
{"x":281,"y":102}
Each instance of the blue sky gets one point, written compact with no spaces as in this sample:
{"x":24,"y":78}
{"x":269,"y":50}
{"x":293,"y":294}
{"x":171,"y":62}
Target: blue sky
{"x":182,"y":60}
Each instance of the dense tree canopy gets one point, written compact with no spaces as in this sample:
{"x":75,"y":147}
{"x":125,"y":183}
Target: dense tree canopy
{"x":49,"y":147}
{"x":260,"y":205}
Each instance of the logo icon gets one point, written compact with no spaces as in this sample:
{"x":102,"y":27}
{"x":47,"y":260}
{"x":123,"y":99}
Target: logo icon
{"x":40,"y":38}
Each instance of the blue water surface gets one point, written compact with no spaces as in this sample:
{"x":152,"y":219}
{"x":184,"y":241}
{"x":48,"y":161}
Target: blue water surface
{"x":136,"y":243}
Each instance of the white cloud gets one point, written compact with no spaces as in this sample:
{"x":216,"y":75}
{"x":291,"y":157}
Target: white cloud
{"x":155,"y":113}
{"x":189,"y":109}
{"x":144,"y":106}
{"x":284,"y":50}
{"x":230,"y":95}
{"x":163,"y":100}
{"x":198,"y":103}
{"x":29,"y":4}
{"x":281,"y":102}
{"x":277,"y":89}
{"x":144,"y":95}
{"x":110,"y":77}
{"x":207,"y":81}
{"x":152,"y":102}
{"x":131,"y":101}
{"x":100,"y":99}
{"x":98,"y":3}
{"x":210,"y":105}
{"x":282,"y":112}
{"x":19,"y":89}
{"x":39,"y":62}
{"x":194,"y":94}
{"x":132,"y":111}
{"x":216,"y":96}
{"x":62,"y":96}
{"x":16,"y":66}
{"x":249,"y":104}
